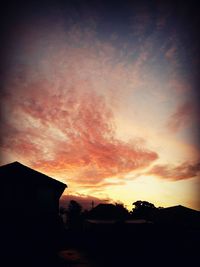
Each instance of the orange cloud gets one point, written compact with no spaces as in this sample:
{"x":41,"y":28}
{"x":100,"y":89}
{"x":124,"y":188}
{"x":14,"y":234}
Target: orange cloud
{"x":57,"y":107}
{"x":180,"y":172}
{"x":71,"y":130}
{"x":91,"y":146}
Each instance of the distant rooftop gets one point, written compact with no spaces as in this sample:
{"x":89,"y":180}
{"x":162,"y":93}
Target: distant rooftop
{"x":179,"y":208}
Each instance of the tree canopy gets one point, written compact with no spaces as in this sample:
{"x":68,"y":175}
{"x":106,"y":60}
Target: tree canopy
{"x":143,"y":209}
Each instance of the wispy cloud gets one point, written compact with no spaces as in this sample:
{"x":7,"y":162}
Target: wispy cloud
{"x":58,"y":104}
{"x":72,"y":129}
{"x":68,"y":79}
{"x":176,"y":172}
{"x":90,"y":144}
{"x":182,"y":117}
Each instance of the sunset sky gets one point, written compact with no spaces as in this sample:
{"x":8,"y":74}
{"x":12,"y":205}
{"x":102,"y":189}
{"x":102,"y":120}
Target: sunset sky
{"x":105,"y":97}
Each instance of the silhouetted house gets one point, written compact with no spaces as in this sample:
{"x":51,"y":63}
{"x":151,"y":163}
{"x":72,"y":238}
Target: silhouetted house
{"x":178,"y":216}
{"x":29,"y":208}
{"x":28,"y":191}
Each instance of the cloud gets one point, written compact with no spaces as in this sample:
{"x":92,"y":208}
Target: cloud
{"x":71,"y":130}
{"x":89,"y":143}
{"x":182,"y":117}
{"x":183,"y":171}
{"x":57,"y":105}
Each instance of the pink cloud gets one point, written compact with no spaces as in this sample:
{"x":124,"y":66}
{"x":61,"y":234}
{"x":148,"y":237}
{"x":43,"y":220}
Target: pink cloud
{"x":182,"y":117}
{"x":58,"y":107}
{"x":75,"y":130}
{"x":91,"y":145}
{"x":180,"y":172}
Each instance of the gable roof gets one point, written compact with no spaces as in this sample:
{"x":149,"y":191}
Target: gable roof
{"x":16,"y":172}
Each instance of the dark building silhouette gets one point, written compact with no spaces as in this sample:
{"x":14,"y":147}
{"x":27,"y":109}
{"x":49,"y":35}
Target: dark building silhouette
{"x":171,"y":238}
{"x":29,"y":206}
{"x":179,"y":216}
{"x":24,"y":189}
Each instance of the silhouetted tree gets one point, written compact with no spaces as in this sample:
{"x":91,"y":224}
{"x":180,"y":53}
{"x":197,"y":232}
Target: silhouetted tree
{"x":143,"y":209}
{"x":74,"y":212}
{"x":109,"y":212}
{"x":143,"y":204}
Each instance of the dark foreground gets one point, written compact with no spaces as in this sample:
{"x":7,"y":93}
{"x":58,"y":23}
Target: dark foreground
{"x":110,"y":245}
{"x":138,"y":245}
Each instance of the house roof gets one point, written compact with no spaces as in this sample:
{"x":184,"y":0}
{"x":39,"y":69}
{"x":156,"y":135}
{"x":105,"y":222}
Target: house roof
{"x":179,"y":215}
{"x":179,"y":209}
{"x":16,"y":172}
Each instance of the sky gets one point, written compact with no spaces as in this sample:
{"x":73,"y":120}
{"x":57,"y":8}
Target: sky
{"x":104,"y":96}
